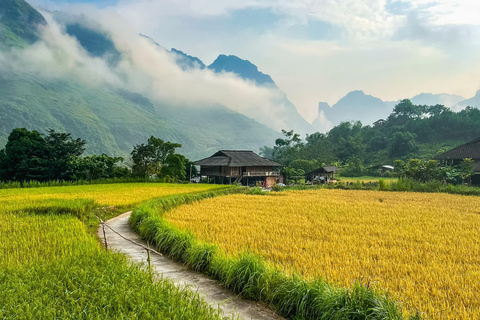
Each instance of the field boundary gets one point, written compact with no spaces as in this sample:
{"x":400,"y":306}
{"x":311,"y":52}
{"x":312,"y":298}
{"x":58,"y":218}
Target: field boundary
{"x":291,"y":296}
{"x":401,"y":185}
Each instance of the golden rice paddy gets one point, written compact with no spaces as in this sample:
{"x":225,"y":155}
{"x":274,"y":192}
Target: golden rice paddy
{"x":29,"y":234}
{"x":424,"y":249}
{"x":121,"y":194}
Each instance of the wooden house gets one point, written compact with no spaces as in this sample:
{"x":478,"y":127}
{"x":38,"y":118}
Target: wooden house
{"x":321,"y":175}
{"x":245,"y":167}
{"x":468,"y":150}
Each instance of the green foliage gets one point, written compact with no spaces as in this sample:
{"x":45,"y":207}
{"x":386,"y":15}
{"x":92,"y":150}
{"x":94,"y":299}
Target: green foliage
{"x":467,"y":169}
{"x":305,"y":165}
{"x":62,"y":149}
{"x":25,"y":157}
{"x":158,"y":158}
{"x":425,"y":171}
{"x":250,"y":276}
{"x":174,"y":166}
{"x":292,"y":174}
{"x":410,"y":131}
{"x":402,"y":144}
{"x":31,"y":156}
{"x":97,"y":168}
{"x":354,"y":167}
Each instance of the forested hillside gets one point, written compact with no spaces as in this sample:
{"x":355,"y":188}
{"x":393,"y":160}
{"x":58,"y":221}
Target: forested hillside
{"x":411,"y":131}
{"x":110,"y":118}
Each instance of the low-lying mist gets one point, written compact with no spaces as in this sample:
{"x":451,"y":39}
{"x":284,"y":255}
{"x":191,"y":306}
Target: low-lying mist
{"x":144,"y":67}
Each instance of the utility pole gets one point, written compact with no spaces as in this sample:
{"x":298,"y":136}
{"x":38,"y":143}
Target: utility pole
{"x":190,"y":173}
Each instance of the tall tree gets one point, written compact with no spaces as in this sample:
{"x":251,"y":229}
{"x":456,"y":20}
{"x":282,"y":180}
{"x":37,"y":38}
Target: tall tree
{"x":24,"y":157}
{"x":61,"y":150}
{"x":148,"y":159}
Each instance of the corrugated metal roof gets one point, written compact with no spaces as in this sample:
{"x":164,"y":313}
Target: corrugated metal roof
{"x":468,"y":150}
{"x":237,"y":158}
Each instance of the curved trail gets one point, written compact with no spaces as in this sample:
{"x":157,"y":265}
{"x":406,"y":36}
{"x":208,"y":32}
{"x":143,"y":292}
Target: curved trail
{"x":209,"y":289}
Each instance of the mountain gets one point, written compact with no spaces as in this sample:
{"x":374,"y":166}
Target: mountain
{"x":19,"y":23}
{"x":187,"y":62}
{"x":248,"y":71}
{"x":356,"y":105}
{"x":243,"y":68}
{"x":430,"y":99}
{"x":112,"y":120}
{"x":472,"y":102}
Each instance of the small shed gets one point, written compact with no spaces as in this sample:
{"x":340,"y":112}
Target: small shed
{"x":321,"y":175}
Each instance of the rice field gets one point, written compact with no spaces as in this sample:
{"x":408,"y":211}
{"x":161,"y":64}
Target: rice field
{"x":52,"y":267}
{"x":423,"y":249}
{"x":118,"y":195}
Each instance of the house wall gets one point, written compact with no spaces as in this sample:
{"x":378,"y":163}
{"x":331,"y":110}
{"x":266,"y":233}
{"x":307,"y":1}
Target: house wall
{"x":477,"y":165}
{"x":260,"y":171}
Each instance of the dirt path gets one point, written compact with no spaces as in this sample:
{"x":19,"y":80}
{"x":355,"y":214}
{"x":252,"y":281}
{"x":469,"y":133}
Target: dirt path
{"x":209,"y":289}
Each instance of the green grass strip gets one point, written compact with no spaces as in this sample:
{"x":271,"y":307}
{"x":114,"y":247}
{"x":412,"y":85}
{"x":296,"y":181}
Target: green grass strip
{"x":292,"y":296}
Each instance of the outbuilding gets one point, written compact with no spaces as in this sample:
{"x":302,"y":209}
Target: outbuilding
{"x":321,"y":175}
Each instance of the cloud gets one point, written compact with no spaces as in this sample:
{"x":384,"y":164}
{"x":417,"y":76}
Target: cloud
{"x":391,"y":48}
{"x":367,"y":18}
{"x":145,"y":68}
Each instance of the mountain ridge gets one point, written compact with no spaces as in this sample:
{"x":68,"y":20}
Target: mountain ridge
{"x":110,"y":119}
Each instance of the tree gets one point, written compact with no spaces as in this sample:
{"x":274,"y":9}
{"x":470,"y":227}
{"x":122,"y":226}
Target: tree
{"x":148,"y":159}
{"x":288,"y":148}
{"x":400,"y":168}
{"x":305,"y":165}
{"x":402,"y":144}
{"x":61,"y":150}
{"x":24,"y":157}
{"x":406,"y":110}
{"x":98,"y":167}
{"x":292,"y":174}
{"x":467,"y":169}
{"x":174,"y":166}
{"x":354,"y":167}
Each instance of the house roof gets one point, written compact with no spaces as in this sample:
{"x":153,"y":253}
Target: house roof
{"x":237,"y":158}
{"x":468,"y":150}
{"x":327,"y":169}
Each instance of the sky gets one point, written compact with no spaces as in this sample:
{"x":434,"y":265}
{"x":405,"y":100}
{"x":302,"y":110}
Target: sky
{"x":319,"y":50}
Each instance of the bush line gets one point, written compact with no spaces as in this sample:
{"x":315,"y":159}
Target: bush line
{"x":292,"y":296}
{"x":62,"y":183}
{"x":403,"y":184}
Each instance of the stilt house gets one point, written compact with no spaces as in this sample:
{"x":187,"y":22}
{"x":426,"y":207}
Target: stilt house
{"x":468,"y":150}
{"x":245,"y":167}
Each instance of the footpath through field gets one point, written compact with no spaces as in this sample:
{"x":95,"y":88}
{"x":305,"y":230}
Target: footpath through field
{"x":208,"y":289}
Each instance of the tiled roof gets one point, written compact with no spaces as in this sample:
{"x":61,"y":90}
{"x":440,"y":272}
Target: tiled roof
{"x":237,"y":158}
{"x":468,"y":150}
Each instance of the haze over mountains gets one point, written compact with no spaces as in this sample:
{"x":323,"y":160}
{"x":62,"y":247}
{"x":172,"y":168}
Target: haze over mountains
{"x":95,"y":78}
{"x":358,"y":106}
{"x":79,"y":77}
